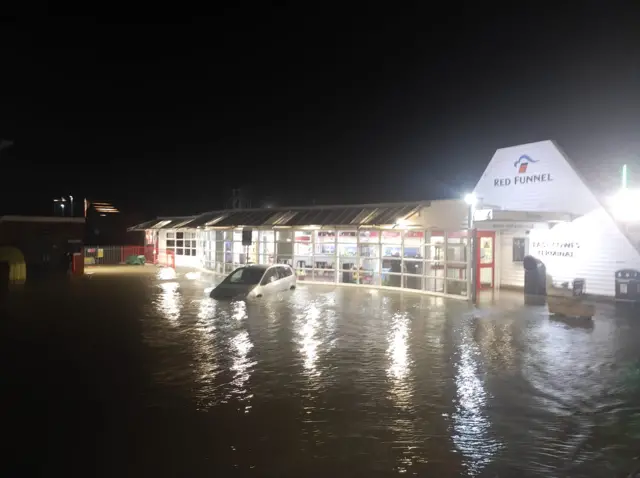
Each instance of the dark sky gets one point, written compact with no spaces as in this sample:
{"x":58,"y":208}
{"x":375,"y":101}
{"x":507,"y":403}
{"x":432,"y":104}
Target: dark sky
{"x":303,"y":105}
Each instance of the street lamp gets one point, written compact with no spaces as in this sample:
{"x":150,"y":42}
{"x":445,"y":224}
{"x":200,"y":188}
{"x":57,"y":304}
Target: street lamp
{"x":71,"y":205}
{"x":471,"y":201}
{"x":61,"y":201}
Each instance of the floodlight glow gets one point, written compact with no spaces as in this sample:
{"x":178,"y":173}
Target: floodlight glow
{"x":471,"y":199}
{"x":624,"y":205}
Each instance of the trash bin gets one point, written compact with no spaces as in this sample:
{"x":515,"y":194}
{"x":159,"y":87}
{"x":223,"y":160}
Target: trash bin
{"x":535,"y":276}
{"x":628,"y":285}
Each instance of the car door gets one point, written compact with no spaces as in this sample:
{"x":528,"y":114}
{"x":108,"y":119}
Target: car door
{"x":269,"y":281}
{"x":282,"y":278}
{"x":287,"y":277}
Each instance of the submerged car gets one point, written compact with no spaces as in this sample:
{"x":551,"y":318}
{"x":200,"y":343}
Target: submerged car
{"x":255,"y":281}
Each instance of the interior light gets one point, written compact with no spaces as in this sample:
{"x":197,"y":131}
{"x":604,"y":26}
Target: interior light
{"x":402,"y":222}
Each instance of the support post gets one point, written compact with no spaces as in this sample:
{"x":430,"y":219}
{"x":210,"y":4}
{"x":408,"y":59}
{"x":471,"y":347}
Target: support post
{"x":471,"y":255}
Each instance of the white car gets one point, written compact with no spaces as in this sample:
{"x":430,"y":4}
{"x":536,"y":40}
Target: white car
{"x":255,"y":281}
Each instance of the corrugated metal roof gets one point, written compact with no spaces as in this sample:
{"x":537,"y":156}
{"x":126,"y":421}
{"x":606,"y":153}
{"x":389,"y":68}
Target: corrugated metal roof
{"x":354,"y":216}
{"x":164,"y":223}
{"x":174,"y":223}
{"x":208,"y":219}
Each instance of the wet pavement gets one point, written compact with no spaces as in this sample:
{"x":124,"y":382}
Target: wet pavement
{"x":127,"y":375}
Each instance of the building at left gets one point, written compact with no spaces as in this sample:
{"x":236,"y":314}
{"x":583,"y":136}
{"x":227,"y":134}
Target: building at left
{"x":38,"y":245}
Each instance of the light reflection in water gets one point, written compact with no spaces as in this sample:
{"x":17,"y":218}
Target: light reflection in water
{"x":205,"y":352}
{"x":471,"y":425}
{"x":169,"y":302}
{"x":207,"y":312}
{"x":242,"y":367}
{"x":398,"y":348}
{"x":239,"y":310}
{"x":166,"y":273}
{"x":398,"y":372}
{"x":308,"y":342}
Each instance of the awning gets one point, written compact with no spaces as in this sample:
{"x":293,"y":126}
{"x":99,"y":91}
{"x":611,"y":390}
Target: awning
{"x":338,"y":216}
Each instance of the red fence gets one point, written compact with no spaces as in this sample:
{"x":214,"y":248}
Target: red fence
{"x":112,"y":255}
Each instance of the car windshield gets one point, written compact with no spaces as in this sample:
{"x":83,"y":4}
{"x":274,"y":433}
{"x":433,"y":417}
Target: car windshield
{"x":245,"y":275}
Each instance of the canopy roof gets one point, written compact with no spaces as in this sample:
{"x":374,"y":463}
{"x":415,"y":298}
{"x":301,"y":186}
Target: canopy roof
{"x":354,"y":216}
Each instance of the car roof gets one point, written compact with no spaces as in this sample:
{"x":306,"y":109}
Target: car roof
{"x":264,"y":267}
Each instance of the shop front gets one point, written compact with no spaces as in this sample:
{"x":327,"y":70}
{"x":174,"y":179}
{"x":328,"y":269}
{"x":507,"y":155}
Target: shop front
{"x":415,"y":246}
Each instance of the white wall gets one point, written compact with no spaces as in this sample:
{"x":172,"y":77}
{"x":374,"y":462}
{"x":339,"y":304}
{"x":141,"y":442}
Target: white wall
{"x":188,"y":261}
{"x":591,"y":247}
{"x":549,"y":183}
{"x":511,"y":274}
{"x":449,"y":215}
{"x":181,"y":261}
{"x":162,"y":239}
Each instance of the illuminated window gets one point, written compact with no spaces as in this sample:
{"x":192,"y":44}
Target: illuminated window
{"x":185,"y":243}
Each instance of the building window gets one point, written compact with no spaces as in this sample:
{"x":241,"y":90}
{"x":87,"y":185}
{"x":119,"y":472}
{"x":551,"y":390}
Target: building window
{"x":520,"y":248}
{"x":185,"y":243}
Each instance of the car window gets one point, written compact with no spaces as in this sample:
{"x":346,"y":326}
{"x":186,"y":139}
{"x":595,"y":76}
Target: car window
{"x":284,"y":272}
{"x":270,"y":276}
{"x":245,"y":275}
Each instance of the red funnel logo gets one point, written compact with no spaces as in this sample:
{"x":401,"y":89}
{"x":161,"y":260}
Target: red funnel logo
{"x":522,"y":163}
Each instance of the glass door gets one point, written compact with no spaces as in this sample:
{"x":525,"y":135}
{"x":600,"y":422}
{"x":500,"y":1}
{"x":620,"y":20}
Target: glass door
{"x":485,"y":259}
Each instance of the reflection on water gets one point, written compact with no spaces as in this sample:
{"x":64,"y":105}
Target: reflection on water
{"x":330,"y":380}
{"x":398,"y":347}
{"x":239,"y":310}
{"x":470,"y":423}
{"x":205,"y":353}
{"x":308,"y":342}
{"x":241,"y":366}
{"x":169,"y":302}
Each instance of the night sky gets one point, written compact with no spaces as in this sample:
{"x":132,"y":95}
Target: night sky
{"x":309,"y":106}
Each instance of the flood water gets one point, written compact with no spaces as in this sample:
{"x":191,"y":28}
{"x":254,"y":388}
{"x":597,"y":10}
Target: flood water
{"x":128,"y":375}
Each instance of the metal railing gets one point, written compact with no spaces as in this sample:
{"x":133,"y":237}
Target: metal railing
{"x":113,"y":255}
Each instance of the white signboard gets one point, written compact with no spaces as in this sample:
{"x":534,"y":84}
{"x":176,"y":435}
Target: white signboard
{"x":483,"y":214}
{"x":554,"y":248}
{"x":534,"y":177}
{"x":509,"y":226}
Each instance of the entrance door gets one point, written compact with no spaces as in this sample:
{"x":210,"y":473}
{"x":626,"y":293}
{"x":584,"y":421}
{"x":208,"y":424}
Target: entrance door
{"x":485,"y":259}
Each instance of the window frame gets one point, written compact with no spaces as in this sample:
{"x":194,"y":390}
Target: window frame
{"x":524,"y":248}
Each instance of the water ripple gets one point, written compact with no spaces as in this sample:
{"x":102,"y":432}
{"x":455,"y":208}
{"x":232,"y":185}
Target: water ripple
{"x":331,"y":379}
